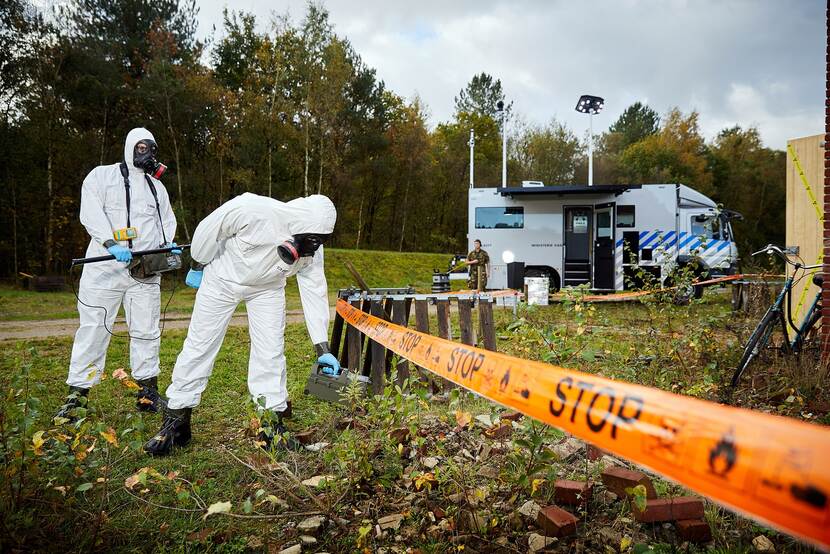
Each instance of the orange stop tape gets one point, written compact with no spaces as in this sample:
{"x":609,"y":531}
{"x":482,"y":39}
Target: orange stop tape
{"x":773,"y":469}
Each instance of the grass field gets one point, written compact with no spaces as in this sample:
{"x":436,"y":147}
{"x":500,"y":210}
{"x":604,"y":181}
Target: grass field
{"x":379,"y":269}
{"x":80,"y":502}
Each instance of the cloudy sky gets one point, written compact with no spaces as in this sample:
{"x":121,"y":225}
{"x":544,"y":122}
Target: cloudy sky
{"x":741,"y":62}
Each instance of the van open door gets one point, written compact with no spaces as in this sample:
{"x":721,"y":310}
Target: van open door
{"x":604,"y":246}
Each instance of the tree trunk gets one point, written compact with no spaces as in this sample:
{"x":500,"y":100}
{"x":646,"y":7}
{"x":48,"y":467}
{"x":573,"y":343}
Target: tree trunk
{"x":270,"y":149}
{"x":14,"y":230}
{"x":178,"y":166}
{"x":405,"y":199}
{"x":307,"y":156}
{"x":50,"y":207}
{"x":359,"y":223}
{"x":320,"y":178}
{"x":104,"y":132}
{"x":221,"y":179}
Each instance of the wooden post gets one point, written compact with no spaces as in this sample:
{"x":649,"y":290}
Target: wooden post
{"x":444,"y":331}
{"x":354,"y":344}
{"x":488,"y":327}
{"x":378,"y":375}
{"x":422,"y":325}
{"x":465,"y":321}
{"x":443,"y":307}
{"x":399,"y":317}
{"x":386,"y":315}
{"x":422,"y":316}
{"x":336,"y":335}
{"x":367,"y":359}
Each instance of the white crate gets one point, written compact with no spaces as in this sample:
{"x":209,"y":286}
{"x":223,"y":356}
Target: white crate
{"x":537,"y":290}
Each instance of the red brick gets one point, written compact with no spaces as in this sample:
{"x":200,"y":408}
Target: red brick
{"x":512,"y":416}
{"x":305,"y":437}
{"x":556,"y":522}
{"x":503,"y":431}
{"x":572,"y":493}
{"x":694,"y":530}
{"x":617,"y":479}
{"x":670,"y":509}
{"x":595,"y":453}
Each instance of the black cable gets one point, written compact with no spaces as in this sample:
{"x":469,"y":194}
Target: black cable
{"x":162,"y":315}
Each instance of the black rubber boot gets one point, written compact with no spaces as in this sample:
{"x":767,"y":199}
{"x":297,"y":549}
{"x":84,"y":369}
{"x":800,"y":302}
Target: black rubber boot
{"x":76,"y":398}
{"x":149,"y":399}
{"x":274,"y":435}
{"x":175,"y":431}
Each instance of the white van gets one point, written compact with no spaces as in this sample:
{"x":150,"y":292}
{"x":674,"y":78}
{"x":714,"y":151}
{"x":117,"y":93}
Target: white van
{"x":578,"y":234}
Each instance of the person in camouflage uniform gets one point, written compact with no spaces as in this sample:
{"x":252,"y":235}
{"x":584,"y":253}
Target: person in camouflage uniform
{"x":478,"y":262}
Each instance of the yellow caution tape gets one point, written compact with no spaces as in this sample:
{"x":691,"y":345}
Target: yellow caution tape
{"x":767,"y":467}
{"x":819,"y":211}
{"x":808,"y":285}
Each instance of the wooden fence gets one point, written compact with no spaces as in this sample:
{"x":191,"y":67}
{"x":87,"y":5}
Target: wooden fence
{"x":354,"y":350}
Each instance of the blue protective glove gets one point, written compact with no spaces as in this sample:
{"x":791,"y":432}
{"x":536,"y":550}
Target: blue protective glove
{"x":175,"y":250}
{"x":194,"y":278}
{"x":121,"y":253}
{"x":329,"y":364}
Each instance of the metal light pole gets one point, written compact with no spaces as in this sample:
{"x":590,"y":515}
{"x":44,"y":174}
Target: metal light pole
{"x":590,"y":105}
{"x":500,"y":107}
{"x":472,"y":156}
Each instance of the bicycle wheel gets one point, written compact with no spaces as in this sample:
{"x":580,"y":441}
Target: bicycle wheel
{"x":756,"y":342}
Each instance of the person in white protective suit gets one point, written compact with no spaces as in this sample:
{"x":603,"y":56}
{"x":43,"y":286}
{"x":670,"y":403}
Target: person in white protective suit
{"x":124,"y":207}
{"x":244,"y":252}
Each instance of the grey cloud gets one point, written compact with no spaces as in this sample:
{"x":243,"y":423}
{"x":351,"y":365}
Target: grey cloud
{"x":737,"y":62}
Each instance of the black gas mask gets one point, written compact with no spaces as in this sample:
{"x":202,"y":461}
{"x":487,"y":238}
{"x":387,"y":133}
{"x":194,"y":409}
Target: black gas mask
{"x":299,"y":246}
{"x":144,"y":157}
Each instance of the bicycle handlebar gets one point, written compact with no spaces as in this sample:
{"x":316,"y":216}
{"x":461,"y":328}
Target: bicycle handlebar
{"x":778,"y":251}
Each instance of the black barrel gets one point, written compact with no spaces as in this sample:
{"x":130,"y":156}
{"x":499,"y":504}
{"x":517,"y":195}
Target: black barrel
{"x":440,"y":281}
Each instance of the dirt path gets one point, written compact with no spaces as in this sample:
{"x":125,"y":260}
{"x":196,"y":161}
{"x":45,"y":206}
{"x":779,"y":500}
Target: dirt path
{"x":39,"y":329}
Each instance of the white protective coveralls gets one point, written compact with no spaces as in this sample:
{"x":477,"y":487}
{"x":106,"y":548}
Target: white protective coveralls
{"x":108,"y":284}
{"x":238,"y":245}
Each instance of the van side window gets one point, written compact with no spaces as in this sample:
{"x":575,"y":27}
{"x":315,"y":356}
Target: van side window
{"x":625,"y":216}
{"x":705,"y":226}
{"x":500,"y":218}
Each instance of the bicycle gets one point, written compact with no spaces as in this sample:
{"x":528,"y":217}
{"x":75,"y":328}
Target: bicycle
{"x":775,"y":315}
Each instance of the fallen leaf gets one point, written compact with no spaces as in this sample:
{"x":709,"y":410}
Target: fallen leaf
{"x":130,"y":384}
{"x":536,"y":484}
{"x":218,"y":508}
{"x":463,"y":418}
{"x":132,"y":481}
{"x":109,"y":436}
{"x":119,"y":374}
{"x":144,"y":400}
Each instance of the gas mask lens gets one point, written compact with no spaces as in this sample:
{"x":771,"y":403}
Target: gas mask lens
{"x":298,"y":246}
{"x":144,"y":157}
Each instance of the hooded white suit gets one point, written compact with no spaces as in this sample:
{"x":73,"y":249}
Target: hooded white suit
{"x":108,"y":284}
{"x":238,"y":245}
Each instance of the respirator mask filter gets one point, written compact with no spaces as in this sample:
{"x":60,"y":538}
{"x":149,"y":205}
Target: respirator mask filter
{"x":299,"y":246}
{"x":144,"y":157}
